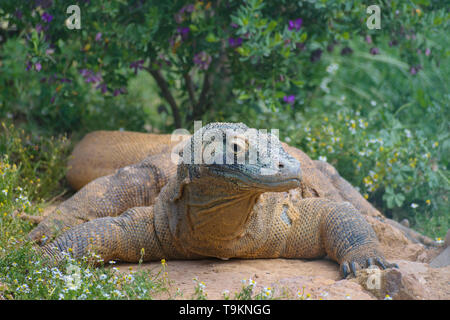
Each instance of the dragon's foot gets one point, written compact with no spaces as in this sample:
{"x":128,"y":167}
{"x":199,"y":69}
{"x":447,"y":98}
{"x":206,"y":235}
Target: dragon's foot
{"x":361,"y":258}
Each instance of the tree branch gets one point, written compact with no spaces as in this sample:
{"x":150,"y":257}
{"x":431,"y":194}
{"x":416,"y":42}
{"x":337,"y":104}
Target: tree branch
{"x":190,"y":89}
{"x":166,"y":94}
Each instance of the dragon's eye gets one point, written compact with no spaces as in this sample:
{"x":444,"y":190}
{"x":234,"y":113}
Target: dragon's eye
{"x":238,"y":145}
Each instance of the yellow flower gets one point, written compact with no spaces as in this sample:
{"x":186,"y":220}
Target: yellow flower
{"x":163,"y":262}
{"x":428,"y":201}
{"x":366,"y":196}
{"x":381,"y":149}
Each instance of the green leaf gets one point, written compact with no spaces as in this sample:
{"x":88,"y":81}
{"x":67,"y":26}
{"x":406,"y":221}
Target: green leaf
{"x":211,"y":38}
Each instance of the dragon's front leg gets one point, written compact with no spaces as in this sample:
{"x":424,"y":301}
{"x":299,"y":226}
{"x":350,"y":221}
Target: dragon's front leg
{"x":109,"y":196}
{"x":338,"y":230}
{"x":129,"y":237}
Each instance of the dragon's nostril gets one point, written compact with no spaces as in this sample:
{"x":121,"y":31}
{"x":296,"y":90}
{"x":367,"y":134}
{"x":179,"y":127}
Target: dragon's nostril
{"x":281,"y":166}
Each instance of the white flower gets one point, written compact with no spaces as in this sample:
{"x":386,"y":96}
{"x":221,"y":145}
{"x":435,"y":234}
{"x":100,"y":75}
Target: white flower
{"x":332,"y":68}
{"x":323,"y":158}
{"x":408,"y":133}
{"x":267,"y":292}
{"x":387,"y":297}
{"x":414,"y":205}
{"x":373,"y":103}
{"x":324,"y":85}
{"x":5,"y":192}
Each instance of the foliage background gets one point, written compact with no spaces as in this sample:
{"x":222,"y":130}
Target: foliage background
{"x":374,"y":103}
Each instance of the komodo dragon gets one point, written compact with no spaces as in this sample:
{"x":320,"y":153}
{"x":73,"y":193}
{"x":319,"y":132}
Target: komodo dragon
{"x":281,"y":205}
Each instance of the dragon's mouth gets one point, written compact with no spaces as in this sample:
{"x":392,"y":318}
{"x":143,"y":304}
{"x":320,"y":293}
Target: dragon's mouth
{"x":284,"y":179}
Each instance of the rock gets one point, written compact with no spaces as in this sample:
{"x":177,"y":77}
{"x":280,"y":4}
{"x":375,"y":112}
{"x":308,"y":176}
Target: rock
{"x":405,"y":223}
{"x":319,"y":288}
{"x":412,"y":280}
{"x":442,"y":260}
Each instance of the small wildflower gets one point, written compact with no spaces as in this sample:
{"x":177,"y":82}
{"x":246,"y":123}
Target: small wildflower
{"x":295,"y":24}
{"x":184,"y":32}
{"x":202,"y":59}
{"x":374,"y":51}
{"x":428,"y":202}
{"x":137,"y":65}
{"x":387,"y":297}
{"x":235,"y":42}
{"x":439,"y":240}
{"x":332,"y":68}
{"x":289,"y":99}
{"x":47,"y":17}
{"x":414,"y":205}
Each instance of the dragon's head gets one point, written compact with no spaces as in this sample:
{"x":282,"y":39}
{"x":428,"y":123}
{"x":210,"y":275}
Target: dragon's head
{"x":250,"y":159}
{"x":225,"y":167}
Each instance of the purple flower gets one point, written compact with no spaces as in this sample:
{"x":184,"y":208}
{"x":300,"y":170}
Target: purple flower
{"x":188,"y":8}
{"x":393,"y":43}
{"x":29,"y":65}
{"x":289,"y":99}
{"x":119,"y":91}
{"x":18,"y":14}
{"x":374,"y":51}
{"x":47,"y":17}
{"x":103,"y":88}
{"x":368,"y":39}
{"x":90,"y":77}
{"x":234,"y":25}
{"x":39,"y":28}
{"x":183,"y":31}
{"x":38,"y":66}
{"x":234,"y":43}
{"x":137,"y":65}
{"x":179,"y":18}
{"x":315,"y":55}
{"x":202,"y":59}
{"x":98,"y":36}
{"x":414,"y":69}
{"x":52,"y":100}
{"x":346,"y":51}
{"x":427,"y":52}
{"x":295,"y":24}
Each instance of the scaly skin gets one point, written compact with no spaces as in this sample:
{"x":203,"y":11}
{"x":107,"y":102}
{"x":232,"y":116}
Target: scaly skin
{"x":216,"y":210}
